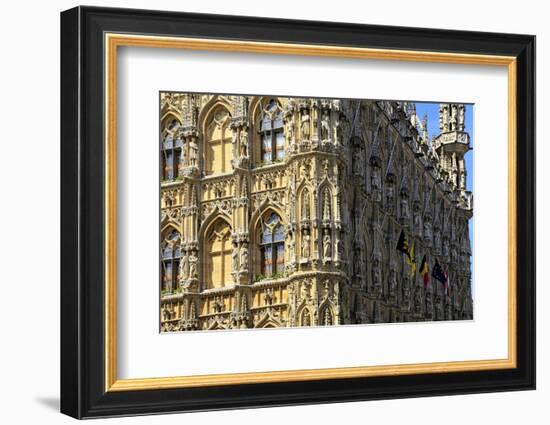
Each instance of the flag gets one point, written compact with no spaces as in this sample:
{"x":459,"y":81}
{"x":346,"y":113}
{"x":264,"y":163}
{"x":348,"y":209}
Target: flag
{"x":411,"y":262}
{"x":403,"y":245}
{"x":424,"y":271}
{"x":437,"y":273}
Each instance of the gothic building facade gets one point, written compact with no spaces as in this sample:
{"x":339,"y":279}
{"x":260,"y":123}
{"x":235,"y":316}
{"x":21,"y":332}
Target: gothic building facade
{"x":283,"y":212}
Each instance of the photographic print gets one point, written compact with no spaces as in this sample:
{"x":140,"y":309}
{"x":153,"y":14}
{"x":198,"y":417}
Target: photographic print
{"x":294,"y":212}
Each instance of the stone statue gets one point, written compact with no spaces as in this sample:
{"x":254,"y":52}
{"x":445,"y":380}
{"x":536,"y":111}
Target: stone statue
{"x":291,"y":249}
{"x":375,"y":179}
{"x":305,"y":125}
{"x":389,"y":197}
{"x":193,"y":266}
{"x":338,"y":136}
{"x":234,"y":136}
{"x":306,"y":318}
{"x":244,"y":142}
{"x":325,"y":125}
{"x":416,"y":215}
{"x":306,"y":206}
{"x":427,"y":229}
{"x":327,"y":246}
{"x":290,"y":129}
{"x":193,"y":153}
{"x":406,"y":290}
{"x":392,"y":283}
{"x":358,"y":263}
{"x":437,"y":240}
{"x":184,"y":155}
{"x":184,"y":264}
{"x":404,"y":207}
{"x":453,"y":117}
{"x":244,"y":256}
{"x":235,"y":258}
{"x":306,"y":244}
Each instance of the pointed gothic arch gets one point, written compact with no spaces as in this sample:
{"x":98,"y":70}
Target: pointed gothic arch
{"x":327,"y":316}
{"x":268,"y":321}
{"x":268,"y":241}
{"x":217,"y":140}
{"x":268,"y":145}
{"x":170,"y":257}
{"x":217,"y":249}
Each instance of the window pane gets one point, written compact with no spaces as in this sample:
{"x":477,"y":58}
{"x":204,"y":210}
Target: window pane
{"x":176,"y":273}
{"x":266,"y":147}
{"x":167,"y":253}
{"x":167,"y":280}
{"x":278,"y":234}
{"x":266,"y":236}
{"x":280,"y":258}
{"x":267,"y":261}
{"x":168,"y":170}
{"x":265,"y":124}
{"x":278,"y":121}
{"x":280,"y":142}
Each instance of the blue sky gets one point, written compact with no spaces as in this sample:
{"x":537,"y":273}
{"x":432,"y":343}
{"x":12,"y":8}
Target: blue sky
{"x":432,"y":111}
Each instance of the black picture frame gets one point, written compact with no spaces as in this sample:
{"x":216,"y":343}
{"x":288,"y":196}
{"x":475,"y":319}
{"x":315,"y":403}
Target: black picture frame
{"x":83,"y":392}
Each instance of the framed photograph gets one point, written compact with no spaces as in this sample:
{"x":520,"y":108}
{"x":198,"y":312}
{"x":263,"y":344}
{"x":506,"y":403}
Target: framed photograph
{"x":261,"y":212}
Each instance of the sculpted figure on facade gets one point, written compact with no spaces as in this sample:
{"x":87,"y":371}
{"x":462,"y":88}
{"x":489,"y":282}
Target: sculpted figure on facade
{"x":193,"y":153}
{"x":193,"y":274}
{"x":244,"y":142}
{"x":235,"y":258}
{"x":305,"y":127}
{"x":289,"y":124}
{"x":325,"y":125}
{"x":327,"y":246}
{"x":306,"y":242}
{"x":184,"y":267}
{"x":244,"y":256}
{"x":404,"y":204}
{"x":392,"y":284}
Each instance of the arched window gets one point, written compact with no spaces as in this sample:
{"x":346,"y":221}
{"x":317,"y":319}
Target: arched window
{"x":272,"y":246}
{"x":272,"y":134}
{"x":306,"y":317}
{"x":170,"y":150}
{"x":219,"y":150}
{"x":170,"y":261}
{"x":217,"y":273}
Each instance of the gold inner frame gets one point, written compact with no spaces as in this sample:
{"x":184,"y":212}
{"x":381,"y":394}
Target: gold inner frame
{"x":113,"y":41}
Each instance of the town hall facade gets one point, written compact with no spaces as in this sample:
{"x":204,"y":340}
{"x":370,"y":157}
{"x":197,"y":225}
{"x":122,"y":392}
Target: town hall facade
{"x":285,"y":212}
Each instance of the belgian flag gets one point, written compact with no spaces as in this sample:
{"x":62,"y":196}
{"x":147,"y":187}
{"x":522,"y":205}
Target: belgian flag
{"x":403,"y":245}
{"x":424,"y":271}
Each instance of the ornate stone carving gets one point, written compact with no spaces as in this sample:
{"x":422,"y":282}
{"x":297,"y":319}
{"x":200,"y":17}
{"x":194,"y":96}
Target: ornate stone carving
{"x":340,"y":206}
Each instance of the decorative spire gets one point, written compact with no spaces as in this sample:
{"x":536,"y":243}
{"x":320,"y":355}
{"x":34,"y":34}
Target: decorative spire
{"x":425,"y":129}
